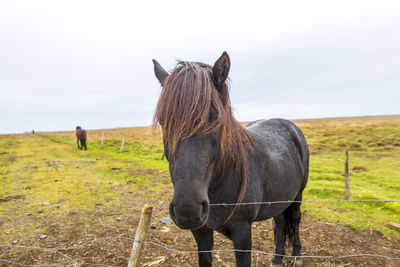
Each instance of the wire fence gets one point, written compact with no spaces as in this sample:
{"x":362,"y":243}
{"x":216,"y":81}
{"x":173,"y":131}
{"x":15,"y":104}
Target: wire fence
{"x":169,"y":249}
{"x":304,"y":201}
{"x":269,"y":253}
{"x":297,"y":201}
{"x":257,"y":253}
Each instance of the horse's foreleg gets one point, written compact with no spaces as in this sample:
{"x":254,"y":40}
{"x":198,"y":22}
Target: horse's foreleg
{"x":241,"y":237}
{"x":205,"y":241}
{"x":280,"y":237}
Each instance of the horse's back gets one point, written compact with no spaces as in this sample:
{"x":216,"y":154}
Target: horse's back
{"x":279,"y":134}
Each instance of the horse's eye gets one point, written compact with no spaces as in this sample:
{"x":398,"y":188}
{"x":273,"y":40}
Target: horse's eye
{"x":213,"y":114}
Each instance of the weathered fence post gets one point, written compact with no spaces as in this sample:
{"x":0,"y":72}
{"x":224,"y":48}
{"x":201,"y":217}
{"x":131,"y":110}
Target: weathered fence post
{"x":393,"y":225}
{"x":102,"y":138}
{"x":141,"y":231}
{"x":347,"y":176}
{"x":122,"y":145}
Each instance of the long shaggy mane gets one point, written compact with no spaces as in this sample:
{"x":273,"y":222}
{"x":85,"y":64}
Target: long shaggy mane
{"x":183,"y":110}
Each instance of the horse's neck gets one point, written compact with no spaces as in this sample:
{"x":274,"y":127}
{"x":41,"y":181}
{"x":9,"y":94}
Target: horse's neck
{"x":227,"y":187}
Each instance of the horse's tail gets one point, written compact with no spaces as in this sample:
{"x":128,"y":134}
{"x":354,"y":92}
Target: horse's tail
{"x":289,"y":225}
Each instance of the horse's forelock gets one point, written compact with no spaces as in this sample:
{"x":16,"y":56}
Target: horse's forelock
{"x":185,"y":102}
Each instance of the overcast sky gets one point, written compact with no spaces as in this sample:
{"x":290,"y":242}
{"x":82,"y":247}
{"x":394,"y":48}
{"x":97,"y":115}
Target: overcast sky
{"x":88,"y":63}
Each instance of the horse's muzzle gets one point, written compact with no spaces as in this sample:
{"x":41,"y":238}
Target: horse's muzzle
{"x":189,"y":216}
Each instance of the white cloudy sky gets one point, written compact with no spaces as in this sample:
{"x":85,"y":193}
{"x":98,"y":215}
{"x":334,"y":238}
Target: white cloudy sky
{"x":88,"y":63}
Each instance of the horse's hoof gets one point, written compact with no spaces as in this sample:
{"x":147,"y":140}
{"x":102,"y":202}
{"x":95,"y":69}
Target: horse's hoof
{"x":299,"y":262}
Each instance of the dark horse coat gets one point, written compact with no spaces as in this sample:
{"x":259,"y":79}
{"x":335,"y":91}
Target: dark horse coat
{"x":81,"y":137}
{"x":217,"y":166}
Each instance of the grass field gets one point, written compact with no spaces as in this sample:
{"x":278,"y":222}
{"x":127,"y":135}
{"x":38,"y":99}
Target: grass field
{"x":373,"y":142}
{"x":374,"y":145}
{"x":44,"y":178}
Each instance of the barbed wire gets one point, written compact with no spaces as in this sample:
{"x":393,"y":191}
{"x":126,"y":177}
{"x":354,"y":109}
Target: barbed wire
{"x":163,"y":246}
{"x":294,"y":201}
{"x":163,"y":209}
{"x":267,"y":203}
{"x":304,"y":201}
{"x":264,"y":203}
{"x":270,"y":253}
{"x":57,"y":249}
{"x":257,"y":252}
{"x":71,"y":247}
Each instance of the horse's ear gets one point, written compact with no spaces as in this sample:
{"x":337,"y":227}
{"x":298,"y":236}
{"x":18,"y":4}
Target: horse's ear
{"x":161,"y":74}
{"x":220,"y":70}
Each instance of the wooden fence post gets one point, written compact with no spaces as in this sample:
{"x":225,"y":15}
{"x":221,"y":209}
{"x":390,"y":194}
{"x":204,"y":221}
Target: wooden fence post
{"x":102,"y":138}
{"x":122,"y":145}
{"x":141,"y":231}
{"x":347,"y":176}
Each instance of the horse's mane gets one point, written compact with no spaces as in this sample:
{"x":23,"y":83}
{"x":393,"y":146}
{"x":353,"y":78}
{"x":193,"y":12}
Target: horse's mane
{"x":183,"y":110}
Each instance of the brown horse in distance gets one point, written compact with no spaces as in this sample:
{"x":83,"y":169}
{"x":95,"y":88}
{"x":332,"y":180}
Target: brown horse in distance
{"x":81,"y":137}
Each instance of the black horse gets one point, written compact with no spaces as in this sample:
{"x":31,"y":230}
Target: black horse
{"x":213,"y":159}
{"x":81,"y":137}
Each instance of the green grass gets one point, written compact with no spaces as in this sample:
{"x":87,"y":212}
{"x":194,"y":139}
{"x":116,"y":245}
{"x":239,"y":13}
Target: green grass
{"x":374,"y":145}
{"x":378,"y":179}
{"x":144,"y":154}
{"x":374,"y":148}
{"x":47,"y":177}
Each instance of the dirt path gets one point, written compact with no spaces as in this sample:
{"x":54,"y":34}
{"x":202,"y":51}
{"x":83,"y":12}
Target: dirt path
{"x":81,"y":207}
